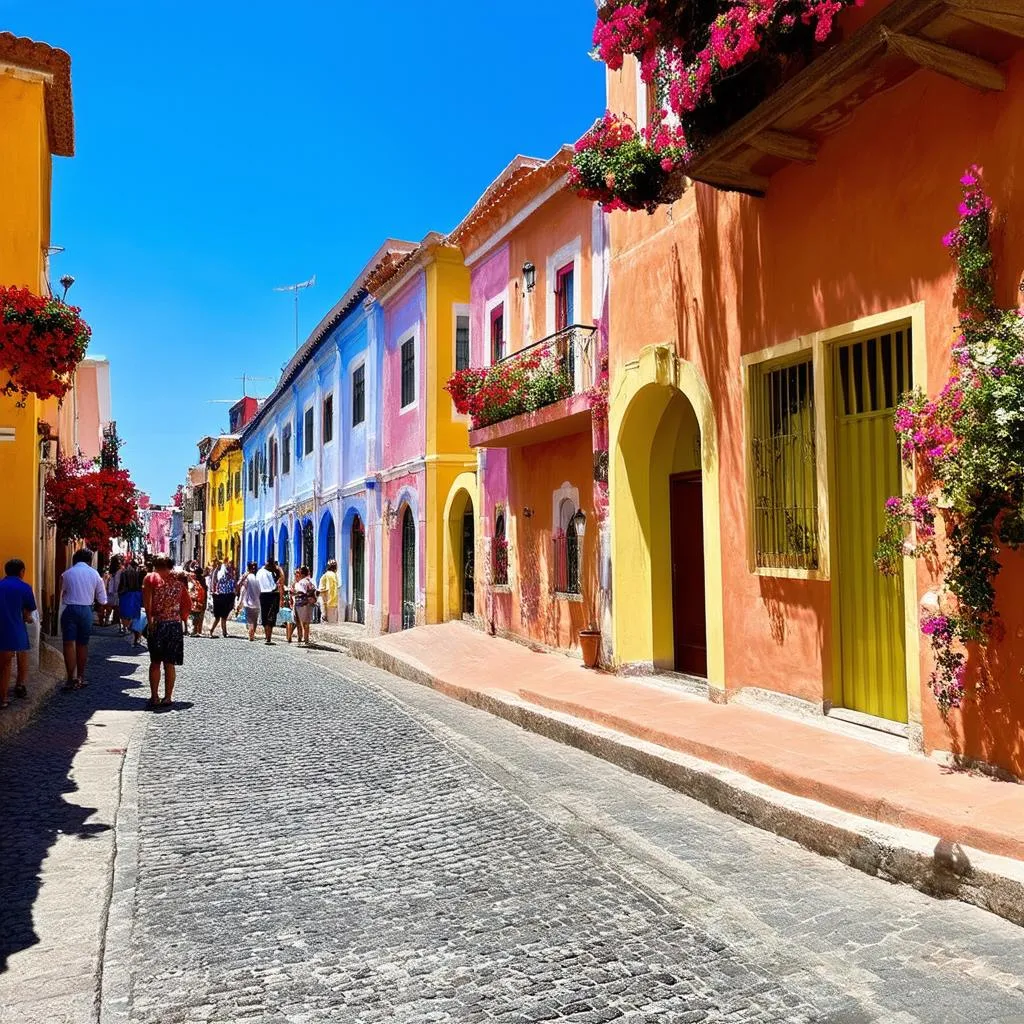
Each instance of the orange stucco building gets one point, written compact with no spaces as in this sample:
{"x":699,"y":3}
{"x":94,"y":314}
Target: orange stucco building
{"x":536,"y":255}
{"x":758,"y":341}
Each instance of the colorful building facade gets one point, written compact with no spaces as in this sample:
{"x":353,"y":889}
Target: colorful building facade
{"x":225,"y":504}
{"x":538,"y":292}
{"x":423,"y":449}
{"x":759,"y":343}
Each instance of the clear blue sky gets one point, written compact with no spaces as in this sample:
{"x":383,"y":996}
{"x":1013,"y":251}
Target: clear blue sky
{"x":224,"y":148}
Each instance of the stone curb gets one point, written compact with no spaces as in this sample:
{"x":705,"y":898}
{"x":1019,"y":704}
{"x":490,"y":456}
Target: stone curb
{"x":115,"y":957}
{"x":934,"y":866}
{"x":42,"y":685}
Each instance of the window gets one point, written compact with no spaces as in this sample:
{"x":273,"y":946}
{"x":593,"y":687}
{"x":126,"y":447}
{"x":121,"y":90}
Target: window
{"x":499,"y":551}
{"x":783,"y":461}
{"x":228,"y":492}
{"x":272,"y":472}
{"x":327,"y":429}
{"x":461,"y":342}
{"x":358,"y":395}
{"x":308,"y":430}
{"x":298,"y":438}
{"x":220,"y":496}
{"x":568,"y":545}
{"x":564,"y":304}
{"x":497,"y":332}
{"x":238,"y":483}
{"x":286,"y":449}
{"x":408,"y":372}
{"x":252,"y":474}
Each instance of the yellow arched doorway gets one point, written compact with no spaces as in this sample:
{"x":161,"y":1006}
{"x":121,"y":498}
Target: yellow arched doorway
{"x":459,"y":548}
{"x":666,"y":531}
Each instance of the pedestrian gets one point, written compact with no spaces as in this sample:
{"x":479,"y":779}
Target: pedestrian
{"x":249,"y":595}
{"x":271,"y":592}
{"x":113,"y":582}
{"x":17,"y":603}
{"x":197,"y":594}
{"x":303,"y":594}
{"x":166,"y":601}
{"x":328,"y":588}
{"x":130,"y":598}
{"x":225,"y":584}
{"x":81,"y":587}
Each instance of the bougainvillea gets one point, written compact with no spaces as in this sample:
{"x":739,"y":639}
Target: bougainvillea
{"x":91,"y":504}
{"x":967,"y":446}
{"x":509,"y":387}
{"x":42,"y":340}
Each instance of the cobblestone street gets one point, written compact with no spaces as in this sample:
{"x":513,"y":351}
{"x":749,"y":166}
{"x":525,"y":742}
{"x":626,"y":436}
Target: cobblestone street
{"x":319,"y":841}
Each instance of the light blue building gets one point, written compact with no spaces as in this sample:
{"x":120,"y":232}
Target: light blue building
{"x":309,"y":450}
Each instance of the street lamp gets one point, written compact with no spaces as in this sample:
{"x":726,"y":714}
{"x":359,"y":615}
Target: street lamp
{"x":67,"y":281}
{"x":529,"y":276}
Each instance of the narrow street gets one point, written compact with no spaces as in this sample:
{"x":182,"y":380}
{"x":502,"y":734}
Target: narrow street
{"x":319,"y":841}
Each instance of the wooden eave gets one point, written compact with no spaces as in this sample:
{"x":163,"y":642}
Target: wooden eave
{"x":966,"y":40}
{"x":55,"y":67}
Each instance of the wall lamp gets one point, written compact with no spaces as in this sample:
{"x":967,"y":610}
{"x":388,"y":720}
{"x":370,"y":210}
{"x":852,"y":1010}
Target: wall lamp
{"x":527,"y":512}
{"x":67,"y":281}
{"x":529,"y":276}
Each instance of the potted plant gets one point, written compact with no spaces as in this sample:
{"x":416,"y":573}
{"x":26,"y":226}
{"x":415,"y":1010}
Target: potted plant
{"x":590,"y":644}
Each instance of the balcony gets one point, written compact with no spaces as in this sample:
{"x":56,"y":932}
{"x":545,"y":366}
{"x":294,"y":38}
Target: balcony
{"x":533,"y":395}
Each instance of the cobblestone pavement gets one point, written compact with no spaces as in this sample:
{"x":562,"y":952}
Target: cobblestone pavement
{"x":319,"y":841}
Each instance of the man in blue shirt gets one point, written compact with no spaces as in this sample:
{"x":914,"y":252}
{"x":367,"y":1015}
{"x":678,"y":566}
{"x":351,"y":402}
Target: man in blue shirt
{"x":17,"y":603}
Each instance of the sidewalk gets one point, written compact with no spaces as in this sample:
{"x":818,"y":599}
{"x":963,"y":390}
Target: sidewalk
{"x":897,"y":814}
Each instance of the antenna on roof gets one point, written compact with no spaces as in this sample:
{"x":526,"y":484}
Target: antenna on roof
{"x":296,"y":288}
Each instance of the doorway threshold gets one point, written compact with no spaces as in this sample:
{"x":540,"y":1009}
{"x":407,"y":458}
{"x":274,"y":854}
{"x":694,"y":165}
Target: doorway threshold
{"x":693,"y":686}
{"x":867,"y":721}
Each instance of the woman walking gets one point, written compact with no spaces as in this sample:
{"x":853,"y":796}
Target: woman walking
{"x":165,"y":598}
{"x":197,"y":594}
{"x":224,"y":586}
{"x":113,"y":582}
{"x":328,"y":590}
{"x":130,"y":598}
{"x":303,"y":593}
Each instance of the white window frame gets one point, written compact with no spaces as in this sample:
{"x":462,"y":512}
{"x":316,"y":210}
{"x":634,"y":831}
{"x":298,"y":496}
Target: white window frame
{"x":571,"y":252}
{"x":416,"y":366}
{"x":501,"y":299}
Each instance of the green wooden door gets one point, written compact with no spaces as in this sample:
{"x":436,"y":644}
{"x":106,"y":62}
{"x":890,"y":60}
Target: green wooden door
{"x":869,"y":376}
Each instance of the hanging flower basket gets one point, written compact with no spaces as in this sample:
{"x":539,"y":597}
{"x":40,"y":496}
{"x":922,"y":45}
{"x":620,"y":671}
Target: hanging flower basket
{"x":42,"y":340}
{"x":91,"y":505}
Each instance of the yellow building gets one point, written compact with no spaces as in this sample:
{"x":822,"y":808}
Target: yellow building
{"x":225,"y":505}
{"x":36,"y":124}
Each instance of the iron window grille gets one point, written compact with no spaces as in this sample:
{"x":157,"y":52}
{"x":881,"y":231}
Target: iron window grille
{"x":328,"y":425}
{"x":408,"y":372}
{"x":461,"y":342}
{"x":358,"y":395}
{"x":784,"y":464}
{"x":499,"y":554}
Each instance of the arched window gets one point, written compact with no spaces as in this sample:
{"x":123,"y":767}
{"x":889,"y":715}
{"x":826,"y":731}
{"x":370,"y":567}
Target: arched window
{"x":499,"y":551}
{"x":568,"y":548}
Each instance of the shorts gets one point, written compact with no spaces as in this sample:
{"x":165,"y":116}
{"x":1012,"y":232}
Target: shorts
{"x":270,"y":605}
{"x":15,"y":639}
{"x":76,"y":623}
{"x":130,"y":605}
{"x":222,"y":605}
{"x":166,"y":646}
{"x":252,"y":616}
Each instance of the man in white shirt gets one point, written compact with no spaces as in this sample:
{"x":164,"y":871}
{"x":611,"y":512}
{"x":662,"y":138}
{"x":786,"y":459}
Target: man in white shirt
{"x":249,"y":591}
{"x":271,"y":592}
{"x":81,"y":587}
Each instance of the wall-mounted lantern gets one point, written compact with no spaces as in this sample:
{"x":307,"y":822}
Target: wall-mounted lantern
{"x":529,"y":276}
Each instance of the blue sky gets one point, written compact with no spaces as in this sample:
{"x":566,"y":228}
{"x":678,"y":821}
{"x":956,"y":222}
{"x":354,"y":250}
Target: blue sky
{"x":226,"y":148}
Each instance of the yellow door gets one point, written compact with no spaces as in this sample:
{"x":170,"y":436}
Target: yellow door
{"x":869,"y":376}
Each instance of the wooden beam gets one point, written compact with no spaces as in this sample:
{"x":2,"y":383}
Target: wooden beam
{"x":964,"y":67}
{"x":1006,"y":16}
{"x":785,"y":145}
{"x":730,"y":178}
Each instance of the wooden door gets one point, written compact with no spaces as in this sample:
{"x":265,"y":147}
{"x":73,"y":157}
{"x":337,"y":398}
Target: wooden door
{"x":870,"y":375}
{"x":468,"y":542}
{"x":408,"y":570}
{"x":358,"y":570}
{"x":689,"y":619}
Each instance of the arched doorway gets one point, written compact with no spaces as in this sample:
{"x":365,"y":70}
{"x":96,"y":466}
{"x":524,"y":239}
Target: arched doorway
{"x":666,"y":560}
{"x":327,"y":544}
{"x":307,"y":544}
{"x":283,"y":550}
{"x":358,"y":556}
{"x":458,"y":554}
{"x":408,"y":570}
{"x":467,"y":561}
{"x":270,"y":545}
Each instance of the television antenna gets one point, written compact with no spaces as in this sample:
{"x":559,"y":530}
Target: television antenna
{"x":295,"y":289}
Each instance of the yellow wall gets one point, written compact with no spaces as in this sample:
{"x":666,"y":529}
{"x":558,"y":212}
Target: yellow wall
{"x":24,"y":235}
{"x":447,"y":450}
{"x":223,"y":523}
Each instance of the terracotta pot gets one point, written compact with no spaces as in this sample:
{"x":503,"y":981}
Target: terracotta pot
{"x":590,"y":642}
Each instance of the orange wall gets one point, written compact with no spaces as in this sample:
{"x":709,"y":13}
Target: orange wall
{"x":859,"y":232}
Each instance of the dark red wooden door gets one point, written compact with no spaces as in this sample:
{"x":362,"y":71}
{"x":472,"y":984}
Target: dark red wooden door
{"x":688,"y":616}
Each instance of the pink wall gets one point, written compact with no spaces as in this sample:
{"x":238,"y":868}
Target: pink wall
{"x":404,"y":435}
{"x":487,"y":280}
{"x":87,"y":404}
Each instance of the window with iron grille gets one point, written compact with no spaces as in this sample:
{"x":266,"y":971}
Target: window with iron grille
{"x":308,"y":429}
{"x":228,"y":494}
{"x":238,"y":483}
{"x":461,"y":342}
{"x":783,"y":463}
{"x":286,"y":449}
{"x":327,"y":428}
{"x":220,"y":496}
{"x":566,"y":544}
{"x":497,"y":332}
{"x":408,"y":372}
{"x":499,"y":548}
{"x":358,"y":395}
